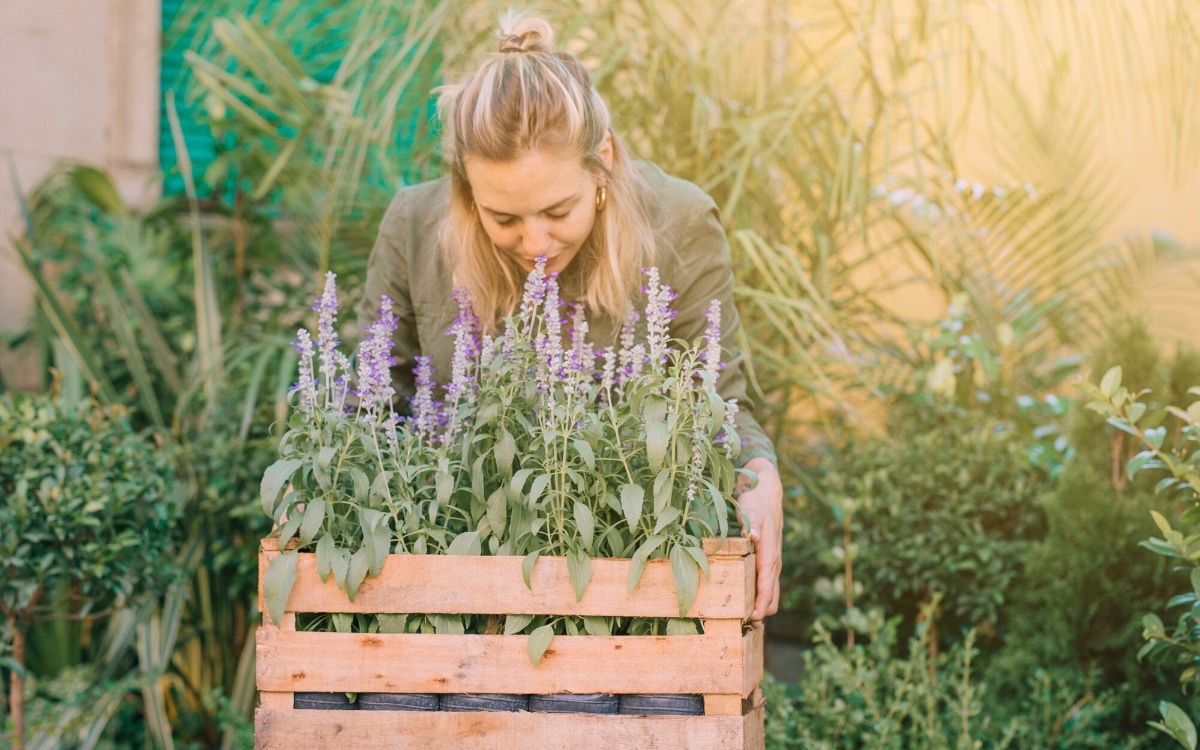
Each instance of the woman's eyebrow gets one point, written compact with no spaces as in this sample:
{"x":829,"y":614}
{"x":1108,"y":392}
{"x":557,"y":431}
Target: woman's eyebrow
{"x":560,"y":204}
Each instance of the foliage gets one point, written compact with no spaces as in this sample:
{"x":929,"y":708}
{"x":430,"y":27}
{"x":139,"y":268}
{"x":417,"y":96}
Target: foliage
{"x":537,"y":449}
{"x":1076,"y":607}
{"x":1169,"y":438}
{"x":91,"y":511}
{"x":947,"y":500}
{"x":881,"y":694}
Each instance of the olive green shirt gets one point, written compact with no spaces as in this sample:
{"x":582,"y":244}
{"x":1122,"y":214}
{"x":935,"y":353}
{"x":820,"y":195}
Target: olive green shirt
{"x":693,"y":259}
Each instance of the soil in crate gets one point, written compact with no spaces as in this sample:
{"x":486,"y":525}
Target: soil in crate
{"x":484,"y":702}
{"x":587,"y":703}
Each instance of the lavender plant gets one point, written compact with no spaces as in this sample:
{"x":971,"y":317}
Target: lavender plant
{"x":538,"y":445}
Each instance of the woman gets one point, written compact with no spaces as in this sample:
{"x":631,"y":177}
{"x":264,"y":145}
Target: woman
{"x":535,"y":170}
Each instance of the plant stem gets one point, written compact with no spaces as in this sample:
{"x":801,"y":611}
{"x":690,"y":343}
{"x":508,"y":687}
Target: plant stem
{"x":16,"y":697}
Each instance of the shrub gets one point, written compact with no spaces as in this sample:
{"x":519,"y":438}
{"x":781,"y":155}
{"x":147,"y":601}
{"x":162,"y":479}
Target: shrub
{"x":88,"y":519}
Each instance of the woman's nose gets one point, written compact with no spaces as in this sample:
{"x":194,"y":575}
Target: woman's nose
{"x":536,"y":241}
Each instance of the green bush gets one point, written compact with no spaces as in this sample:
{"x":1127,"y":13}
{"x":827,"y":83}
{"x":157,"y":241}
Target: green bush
{"x":88,"y":519}
{"x":1084,"y":589}
{"x":885,"y":694}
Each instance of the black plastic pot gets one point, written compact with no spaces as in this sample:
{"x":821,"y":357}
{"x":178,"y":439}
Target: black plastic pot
{"x":323,"y":701}
{"x":484,"y":702}
{"x":666,"y":704}
{"x":565,"y":703}
{"x":398,"y":701}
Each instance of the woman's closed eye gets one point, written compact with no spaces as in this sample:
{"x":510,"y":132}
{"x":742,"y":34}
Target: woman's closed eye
{"x":508,"y":222}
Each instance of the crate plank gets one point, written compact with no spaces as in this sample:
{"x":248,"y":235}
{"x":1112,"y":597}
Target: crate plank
{"x":401,"y":730}
{"x":494,"y":585}
{"x":734,"y":546}
{"x":414,"y":663}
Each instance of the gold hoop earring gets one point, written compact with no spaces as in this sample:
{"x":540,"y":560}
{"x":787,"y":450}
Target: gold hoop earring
{"x":601,"y":198}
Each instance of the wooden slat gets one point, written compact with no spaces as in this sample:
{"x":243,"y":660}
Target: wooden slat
{"x":335,"y":662}
{"x":276,"y":700}
{"x":494,"y":585}
{"x":755,"y":735}
{"x":722,"y":704}
{"x":404,"y":730}
{"x":752,"y":656}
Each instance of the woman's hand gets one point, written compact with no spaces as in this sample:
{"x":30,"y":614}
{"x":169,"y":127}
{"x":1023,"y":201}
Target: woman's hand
{"x":761,"y":515}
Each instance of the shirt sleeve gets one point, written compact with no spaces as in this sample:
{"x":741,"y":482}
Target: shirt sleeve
{"x":705,"y":273}
{"x":388,"y":273}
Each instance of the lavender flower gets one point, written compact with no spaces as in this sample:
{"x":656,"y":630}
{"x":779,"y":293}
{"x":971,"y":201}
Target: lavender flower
{"x":375,"y":360}
{"x":608,"y":373}
{"x":466,"y":351}
{"x":712,"y":339}
{"x":424,"y":409}
{"x":658,"y":315}
{"x":307,"y":384}
{"x":327,"y":338}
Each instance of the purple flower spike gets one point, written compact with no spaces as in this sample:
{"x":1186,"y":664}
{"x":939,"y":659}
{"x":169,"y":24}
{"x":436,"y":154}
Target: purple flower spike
{"x":307,"y":384}
{"x":327,"y":338}
{"x":374,"y":361}
{"x":712,"y":340}
{"x":424,"y":409}
{"x":658,"y":316}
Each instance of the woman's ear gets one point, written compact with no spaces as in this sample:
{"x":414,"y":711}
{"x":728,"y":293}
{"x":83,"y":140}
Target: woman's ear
{"x":606,"y":150}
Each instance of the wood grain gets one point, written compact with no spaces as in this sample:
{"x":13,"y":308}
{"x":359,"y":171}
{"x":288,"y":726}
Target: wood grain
{"x":414,"y":663}
{"x":430,"y":584}
{"x":403,"y":730}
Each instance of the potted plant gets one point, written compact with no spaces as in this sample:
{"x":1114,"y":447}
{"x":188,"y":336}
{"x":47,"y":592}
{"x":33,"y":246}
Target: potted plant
{"x":540,"y":447}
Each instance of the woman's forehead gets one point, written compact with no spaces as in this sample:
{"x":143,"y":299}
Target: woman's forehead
{"x":532,"y":182}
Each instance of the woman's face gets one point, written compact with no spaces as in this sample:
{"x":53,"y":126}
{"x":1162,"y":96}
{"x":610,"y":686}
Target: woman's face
{"x":541,"y":203}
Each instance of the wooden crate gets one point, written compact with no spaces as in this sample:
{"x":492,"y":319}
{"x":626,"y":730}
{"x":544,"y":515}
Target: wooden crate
{"x":724,"y":664}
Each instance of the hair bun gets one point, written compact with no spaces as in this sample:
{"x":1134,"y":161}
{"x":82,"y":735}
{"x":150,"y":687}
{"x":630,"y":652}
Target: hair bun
{"x":521,"y":33}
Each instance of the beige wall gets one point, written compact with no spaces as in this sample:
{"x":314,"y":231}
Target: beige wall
{"x":79,"y":82}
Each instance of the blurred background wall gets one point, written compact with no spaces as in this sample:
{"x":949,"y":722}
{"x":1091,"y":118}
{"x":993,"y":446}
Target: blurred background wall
{"x":80,"y":82}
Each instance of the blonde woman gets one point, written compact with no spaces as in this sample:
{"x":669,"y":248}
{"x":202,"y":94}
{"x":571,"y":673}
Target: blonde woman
{"x":535,"y":169}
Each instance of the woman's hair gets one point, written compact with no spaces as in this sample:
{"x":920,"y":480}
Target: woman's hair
{"x":525,"y":97}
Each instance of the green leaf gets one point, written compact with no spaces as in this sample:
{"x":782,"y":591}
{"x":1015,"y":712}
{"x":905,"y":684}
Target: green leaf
{"x":99,"y":189}
{"x":314,"y":515}
{"x":444,"y":485}
{"x":1141,"y":461}
{"x":1122,"y":425}
{"x":325,"y":457}
{"x":1155,"y":437}
{"x":289,"y":528}
{"x":632,"y":498}
{"x":1161,"y":522}
{"x":393,"y":623}
{"x":514,"y":624}
{"x":701,"y":559}
{"x":1111,"y":382}
{"x":657,"y":438}
{"x":325,"y":553}
{"x":681,"y":626}
{"x":497,"y":510}
{"x":1178,"y":724}
{"x":538,"y":487}
{"x":340,"y":563}
{"x":273,"y":481}
{"x":539,"y":641}
{"x":466,"y":543}
{"x":359,"y":565}
{"x":638,"y":562}
{"x":505,"y":451}
{"x":377,"y":538}
{"x":662,"y":490}
{"x":448,"y":624}
{"x":527,"y":568}
{"x":668,"y":517}
{"x":579,"y":568}
{"x":597,"y":626}
{"x":586,"y":523}
{"x":277,"y":584}
{"x":687,"y":577}
{"x":585,"y":452}
{"x":518,"y":481}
